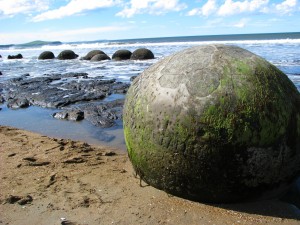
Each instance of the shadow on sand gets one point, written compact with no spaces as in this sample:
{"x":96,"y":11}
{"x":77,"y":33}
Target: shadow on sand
{"x":287,"y":207}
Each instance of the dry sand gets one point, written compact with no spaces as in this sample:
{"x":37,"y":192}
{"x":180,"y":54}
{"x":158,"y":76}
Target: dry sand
{"x":47,"y":181}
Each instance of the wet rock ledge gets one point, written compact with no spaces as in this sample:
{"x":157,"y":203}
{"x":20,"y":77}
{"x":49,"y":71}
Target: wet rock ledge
{"x":76,"y":94}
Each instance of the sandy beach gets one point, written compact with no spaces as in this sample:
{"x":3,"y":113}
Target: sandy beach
{"x":56,"y":181}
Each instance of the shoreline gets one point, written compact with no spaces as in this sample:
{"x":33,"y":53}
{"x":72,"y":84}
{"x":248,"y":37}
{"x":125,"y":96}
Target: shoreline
{"x":46,"y":180}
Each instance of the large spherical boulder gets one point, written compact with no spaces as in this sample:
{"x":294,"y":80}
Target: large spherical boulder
{"x":67,"y":54}
{"x":92,"y":53}
{"x":46,"y":55}
{"x":214,"y":123}
{"x":100,"y":57}
{"x":122,"y":54}
{"x":142,"y":54}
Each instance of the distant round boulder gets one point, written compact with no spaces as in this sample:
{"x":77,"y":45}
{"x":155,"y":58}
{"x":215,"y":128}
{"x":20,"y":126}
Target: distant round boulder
{"x":214,"y":123}
{"x":122,"y":54}
{"x":67,"y":54}
{"x":100,"y":57}
{"x":18,"y":56}
{"x":142,"y":54}
{"x":46,"y":55}
{"x":92,"y":53}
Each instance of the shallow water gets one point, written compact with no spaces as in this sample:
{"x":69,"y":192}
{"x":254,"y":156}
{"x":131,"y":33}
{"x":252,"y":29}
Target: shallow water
{"x":40,"y":120}
{"x":278,"y":49}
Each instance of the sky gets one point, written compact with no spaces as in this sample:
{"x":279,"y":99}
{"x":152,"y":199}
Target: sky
{"x":23,"y":21}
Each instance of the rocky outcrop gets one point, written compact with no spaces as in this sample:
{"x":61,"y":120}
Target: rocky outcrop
{"x":122,"y":54}
{"x":46,"y":55}
{"x":63,"y":91}
{"x":67,"y":54}
{"x":99,"y":114}
{"x":142,"y":54}
{"x":18,"y":56}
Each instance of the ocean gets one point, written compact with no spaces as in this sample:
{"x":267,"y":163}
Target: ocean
{"x":281,"y":49}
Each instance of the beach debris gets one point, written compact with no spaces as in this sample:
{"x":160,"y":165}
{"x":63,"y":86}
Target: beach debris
{"x":43,"y":163}
{"x":30,"y":159}
{"x":12,"y":154}
{"x":52,"y":179}
{"x":74,"y":160}
{"x":204,"y":124}
{"x":21,"y":200}
{"x":64,"y":221}
{"x":109,"y":153}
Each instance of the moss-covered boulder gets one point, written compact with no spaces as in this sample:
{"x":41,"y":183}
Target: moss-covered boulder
{"x":92,"y":53}
{"x":100,"y":57}
{"x":46,"y":55}
{"x":67,"y":54}
{"x":121,"y":54}
{"x":142,"y":54}
{"x":214,"y":123}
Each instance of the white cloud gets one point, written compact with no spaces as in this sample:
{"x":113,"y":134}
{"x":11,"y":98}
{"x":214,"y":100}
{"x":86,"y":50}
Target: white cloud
{"x":242,"y":23}
{"x":207,"y":9}
{"x":235,"y":7}
{"x":74,"y":7}
{"x":151,"y":6}
{"x":85,"y":34}
{"x":286,"y":6}
{"x":13,"y":7}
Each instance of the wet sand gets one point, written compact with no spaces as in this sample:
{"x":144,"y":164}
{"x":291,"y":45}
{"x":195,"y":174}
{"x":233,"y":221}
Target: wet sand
{"x":57,"y":181}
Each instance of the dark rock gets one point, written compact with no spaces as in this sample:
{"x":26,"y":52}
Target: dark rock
{"x":0,"y":56}
{"x":102,"y":115}
{"x":142,"y":54}
{"x":1,"y":73}
{"x":25,"y":200}
{"x":18,"y":56}
{"x":76,"y":115}
{"x":18,"y":103}
{"x":73,"y":115}
{"x":204,"y":124}
{"x":100,"y":57}
{"x":122,"y":54}
{"x":64,"y":90}
{"x":46,"y":55}
{"x":1,"y":99}
{"x":12,"y":199}
{"x":67,"y":54}
{"x":92,"y":53}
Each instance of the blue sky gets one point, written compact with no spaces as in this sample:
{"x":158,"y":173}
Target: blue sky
{"x":84,"y":20}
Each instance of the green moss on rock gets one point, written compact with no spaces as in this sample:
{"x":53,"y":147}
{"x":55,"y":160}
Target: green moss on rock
{"x":224,"y":128}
